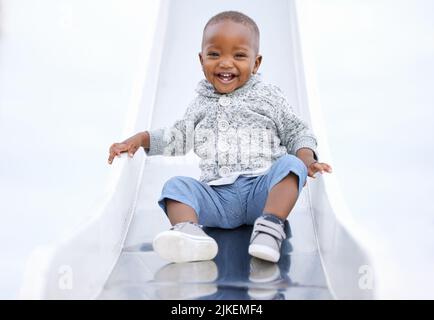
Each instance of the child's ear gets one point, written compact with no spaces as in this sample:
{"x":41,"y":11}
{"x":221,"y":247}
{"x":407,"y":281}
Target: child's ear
{"x":258,"y":61}
{"x":201,"y":58}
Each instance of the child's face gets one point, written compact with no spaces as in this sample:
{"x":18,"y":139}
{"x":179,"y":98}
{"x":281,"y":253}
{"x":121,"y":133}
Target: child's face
{"x":228,"y":55}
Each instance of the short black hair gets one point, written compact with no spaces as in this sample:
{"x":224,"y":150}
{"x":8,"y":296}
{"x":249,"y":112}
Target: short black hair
{"x":237,"y":17}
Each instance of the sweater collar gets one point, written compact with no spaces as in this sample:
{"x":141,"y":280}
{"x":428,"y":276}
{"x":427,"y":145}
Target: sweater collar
{"x":205,"y":88}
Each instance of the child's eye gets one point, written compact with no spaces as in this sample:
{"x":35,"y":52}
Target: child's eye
{"x":213,"y":54}
{"x":240,"y":55}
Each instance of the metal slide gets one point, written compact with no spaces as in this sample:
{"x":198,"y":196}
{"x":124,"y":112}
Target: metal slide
{"x":111,"y":256}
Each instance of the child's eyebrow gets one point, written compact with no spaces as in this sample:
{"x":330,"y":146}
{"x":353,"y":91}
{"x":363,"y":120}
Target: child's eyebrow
{"x":214,"y":47}
{"x":211,"y":46}
{"x":242,"y":48}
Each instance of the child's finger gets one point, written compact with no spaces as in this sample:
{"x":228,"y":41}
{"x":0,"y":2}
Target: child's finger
{"x":128,"y":148}
{"x":325,"y":167}
{"x":111,"y":157}
{"x":116,"y":150}
{"x":317,"y":167}
{"x":114,"y":147}
{"x":132,"y":150}
{"x":311,"y":173}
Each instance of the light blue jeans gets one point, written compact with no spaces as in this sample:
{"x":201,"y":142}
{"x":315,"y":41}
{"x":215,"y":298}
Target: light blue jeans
{"x":232,"y":205}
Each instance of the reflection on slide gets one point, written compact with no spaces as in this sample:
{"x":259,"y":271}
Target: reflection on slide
{"x":233,"y":274}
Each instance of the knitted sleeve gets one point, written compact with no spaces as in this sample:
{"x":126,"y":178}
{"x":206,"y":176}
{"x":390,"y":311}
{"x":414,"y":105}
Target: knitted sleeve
{"x":293,"y":132}
{"x":176,"y":140}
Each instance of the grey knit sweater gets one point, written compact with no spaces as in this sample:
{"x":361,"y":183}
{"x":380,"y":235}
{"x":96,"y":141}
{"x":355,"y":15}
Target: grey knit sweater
{"x":242,"y":132}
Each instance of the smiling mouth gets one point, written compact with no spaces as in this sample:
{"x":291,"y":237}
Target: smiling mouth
{"x":226,"y":77}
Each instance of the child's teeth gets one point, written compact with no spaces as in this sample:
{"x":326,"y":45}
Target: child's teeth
{"x":226,"y":76}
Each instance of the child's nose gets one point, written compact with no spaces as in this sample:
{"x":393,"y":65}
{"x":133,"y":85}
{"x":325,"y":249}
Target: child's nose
{"x":225,"y":63}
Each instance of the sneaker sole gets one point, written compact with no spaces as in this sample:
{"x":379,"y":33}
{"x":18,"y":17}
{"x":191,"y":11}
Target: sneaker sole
{"x":264,"y":253}
{"x":178,"y":247}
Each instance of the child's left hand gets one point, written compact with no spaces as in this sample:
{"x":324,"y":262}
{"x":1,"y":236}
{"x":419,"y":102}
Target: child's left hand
{"x":318,"y":167}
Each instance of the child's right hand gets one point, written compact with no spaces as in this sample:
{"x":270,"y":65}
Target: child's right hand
{"x":130,"y":145}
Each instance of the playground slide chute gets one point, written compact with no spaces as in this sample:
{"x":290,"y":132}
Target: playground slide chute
{"x":111,"y":256}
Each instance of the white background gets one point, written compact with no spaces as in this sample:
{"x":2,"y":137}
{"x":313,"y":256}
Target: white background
{"x":67,"y":72}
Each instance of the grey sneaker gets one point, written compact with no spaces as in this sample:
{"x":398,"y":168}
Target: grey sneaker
{"x":266,"y":240}
{"x":185,"y":242}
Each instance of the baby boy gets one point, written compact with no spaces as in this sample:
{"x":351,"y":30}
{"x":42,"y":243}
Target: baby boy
{"x":256,"y":153}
